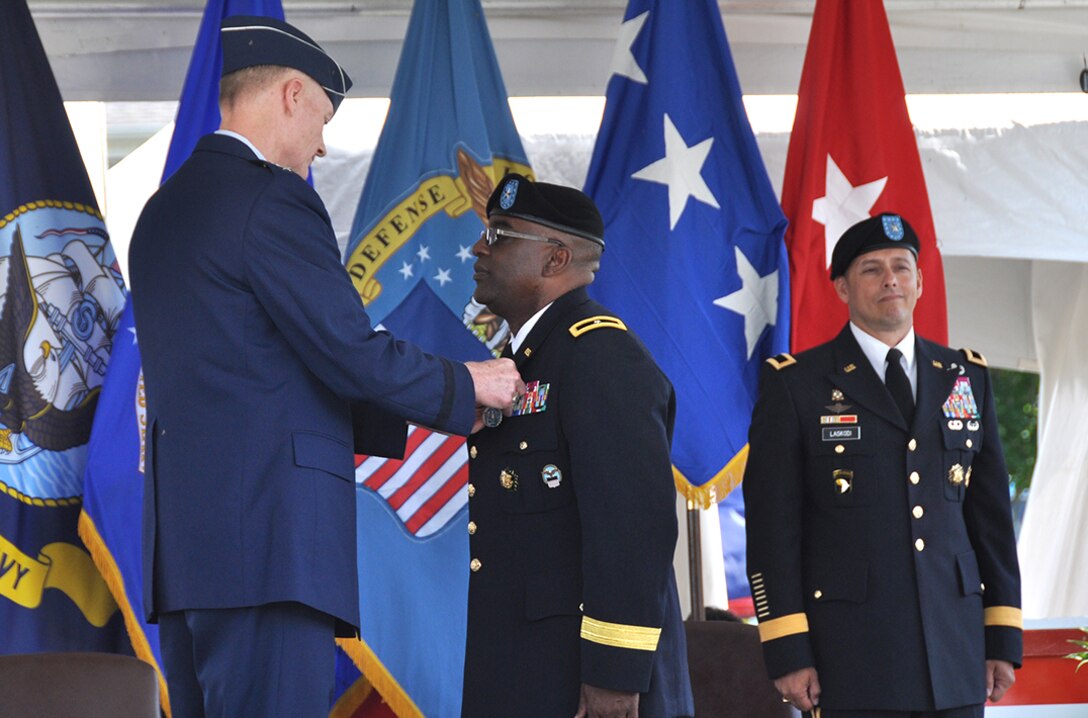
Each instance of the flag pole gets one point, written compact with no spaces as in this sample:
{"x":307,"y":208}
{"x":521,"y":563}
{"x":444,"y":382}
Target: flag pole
{"x":695,"y":562}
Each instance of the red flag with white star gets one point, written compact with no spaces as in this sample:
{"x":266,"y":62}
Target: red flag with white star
{"x":852,"y":155}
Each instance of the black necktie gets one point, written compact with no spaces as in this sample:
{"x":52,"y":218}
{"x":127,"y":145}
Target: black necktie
{"x":899,"y":386}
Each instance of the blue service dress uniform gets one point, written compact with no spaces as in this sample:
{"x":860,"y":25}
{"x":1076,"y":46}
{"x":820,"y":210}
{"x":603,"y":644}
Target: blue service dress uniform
{"x":573,"y":526}
{"x":881,"y":553}
{"x":262,"y":374}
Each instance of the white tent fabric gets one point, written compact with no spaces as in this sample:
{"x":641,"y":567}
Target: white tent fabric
{"x":1054,"y":537}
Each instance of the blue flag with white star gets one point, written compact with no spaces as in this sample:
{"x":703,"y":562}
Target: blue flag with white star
{"x":695,"y":262}
{"x":448,"y":138}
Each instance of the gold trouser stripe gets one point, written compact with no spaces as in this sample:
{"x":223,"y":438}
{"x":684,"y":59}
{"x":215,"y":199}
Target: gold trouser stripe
{"x":1004,"y":616}
{"x":782,"y":627}
{"x":639,"y":638}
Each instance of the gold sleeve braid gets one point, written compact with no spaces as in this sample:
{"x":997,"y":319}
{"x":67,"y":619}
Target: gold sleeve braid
{"x":1004,"y":616}
{"x":782,"y":627}
{"x":618,"y":635}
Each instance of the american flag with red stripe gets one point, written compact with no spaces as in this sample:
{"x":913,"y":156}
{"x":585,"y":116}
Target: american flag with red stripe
{"x":426,"y":488}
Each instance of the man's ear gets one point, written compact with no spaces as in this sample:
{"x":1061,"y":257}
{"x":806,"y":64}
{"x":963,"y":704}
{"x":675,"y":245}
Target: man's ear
{"x":841,"y":289}
{"x":291,"y":91}
{"x":558,"y":260}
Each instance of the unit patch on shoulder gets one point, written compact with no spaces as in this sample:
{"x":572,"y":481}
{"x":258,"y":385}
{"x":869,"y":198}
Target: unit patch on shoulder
{"x":974,"y":357}
{"x":601,"y":321}
{"x":781,"y":361}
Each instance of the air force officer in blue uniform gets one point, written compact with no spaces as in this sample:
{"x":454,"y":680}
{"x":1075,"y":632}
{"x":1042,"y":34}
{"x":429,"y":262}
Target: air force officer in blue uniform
{"x":880,"y":542}
{"x":262,"y":373}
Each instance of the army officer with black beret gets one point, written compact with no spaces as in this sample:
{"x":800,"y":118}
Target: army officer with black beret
{"x":573,"y":607}
{"x":881,"y":552}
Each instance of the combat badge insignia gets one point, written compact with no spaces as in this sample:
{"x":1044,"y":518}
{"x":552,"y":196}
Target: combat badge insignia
{"x":508,"y":479}
{"x":552,"y":476}
{"x":843,"y":480}
{"x":960,"y":404}
{"x":956,"y":475}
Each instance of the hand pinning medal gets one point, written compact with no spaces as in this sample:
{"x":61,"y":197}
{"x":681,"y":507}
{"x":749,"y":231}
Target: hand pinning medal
{"x":493,"y":416}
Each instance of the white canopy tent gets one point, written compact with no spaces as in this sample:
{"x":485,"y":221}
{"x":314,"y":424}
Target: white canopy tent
{"x":1008,"y":201}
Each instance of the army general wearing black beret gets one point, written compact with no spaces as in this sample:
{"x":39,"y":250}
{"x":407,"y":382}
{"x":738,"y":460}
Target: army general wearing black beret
{"x":879,"y":232}
{"x":563,"y":208}
{"x":250,"y":40}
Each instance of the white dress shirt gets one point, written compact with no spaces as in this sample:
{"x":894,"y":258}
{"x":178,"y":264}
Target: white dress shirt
{"x":876,"y":352}
{"x":517,"y":339}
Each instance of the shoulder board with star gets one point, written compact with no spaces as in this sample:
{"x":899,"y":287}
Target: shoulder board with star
{"x":601,"y":321}
{"x":974,"y":357}
{"x":781,"y":361}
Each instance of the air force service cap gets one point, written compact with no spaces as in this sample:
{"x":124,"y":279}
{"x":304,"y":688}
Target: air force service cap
{"x":251,"y":40}
{"x":563,"y":208}
{"x":879,"y":232}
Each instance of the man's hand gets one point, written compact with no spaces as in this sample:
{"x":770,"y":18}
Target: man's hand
{"x":603,"y":703}
{"x":999,"y":678}
{"x":496,"y":382}
{"x":801,"y":688}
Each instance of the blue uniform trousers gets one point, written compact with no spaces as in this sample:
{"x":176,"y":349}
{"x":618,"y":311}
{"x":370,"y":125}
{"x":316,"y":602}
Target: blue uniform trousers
{"x":271,"y":661}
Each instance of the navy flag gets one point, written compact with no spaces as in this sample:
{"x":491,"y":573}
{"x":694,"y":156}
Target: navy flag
{"x":59,"y":311}
{"x":695,"y":261}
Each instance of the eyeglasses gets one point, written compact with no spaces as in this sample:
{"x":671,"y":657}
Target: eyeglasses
{"x":494,"y":234}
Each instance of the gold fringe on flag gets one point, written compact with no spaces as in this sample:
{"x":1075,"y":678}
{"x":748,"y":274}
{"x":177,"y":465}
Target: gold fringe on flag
{"x":352,"y":699}
{"x":717,"y":488}
{"x":383,"y":681}
{"x":134,"y":625}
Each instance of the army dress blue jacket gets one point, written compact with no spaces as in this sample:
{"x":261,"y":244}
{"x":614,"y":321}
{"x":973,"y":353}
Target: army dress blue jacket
{"x":262,"y":374}
{"x":573,"y":526}
{"x":882,"y":554}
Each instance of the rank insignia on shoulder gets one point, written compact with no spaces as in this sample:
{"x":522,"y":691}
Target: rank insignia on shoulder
{"x":601,"y":321}
{"x":974,"y":357}
{"x":781,"y":361}
{"x":960,"y":404}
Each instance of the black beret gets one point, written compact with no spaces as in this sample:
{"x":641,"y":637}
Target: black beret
{"x":564,"y":208}
{"x":250,"y":40}
{"x":879,"y":232}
